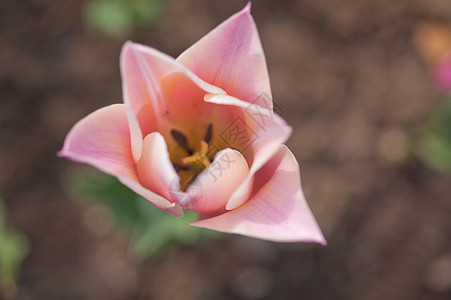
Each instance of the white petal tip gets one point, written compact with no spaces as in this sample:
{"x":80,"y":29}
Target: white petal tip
{"x":320,"y":240}
{"x":61,"y":153}
{"x":247,"y":8}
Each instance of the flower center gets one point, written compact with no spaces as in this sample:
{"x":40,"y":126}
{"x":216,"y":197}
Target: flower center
{"x":199,"y":160}
{"x":191,"y":165}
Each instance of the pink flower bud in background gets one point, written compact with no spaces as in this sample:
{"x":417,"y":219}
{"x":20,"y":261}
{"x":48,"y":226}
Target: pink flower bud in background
{"x":433,"y":41}
{"x":442,"y":73}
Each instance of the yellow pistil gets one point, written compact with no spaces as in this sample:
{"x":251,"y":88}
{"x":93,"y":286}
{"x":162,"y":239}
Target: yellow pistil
{"x":199,"y":160}
{"x":192,"y":165}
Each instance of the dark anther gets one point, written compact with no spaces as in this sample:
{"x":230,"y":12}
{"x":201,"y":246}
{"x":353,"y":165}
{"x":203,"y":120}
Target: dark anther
{"x":181,"y":139}
{"x":207,"y":137}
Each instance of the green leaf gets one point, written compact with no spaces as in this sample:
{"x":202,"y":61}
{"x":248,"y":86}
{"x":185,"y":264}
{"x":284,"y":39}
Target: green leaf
{"x":152,"y":229}
{"x":118,"y":17}
{"x":109,"y":16}
{"x":434,"y":142}
{"x":14,"y":247}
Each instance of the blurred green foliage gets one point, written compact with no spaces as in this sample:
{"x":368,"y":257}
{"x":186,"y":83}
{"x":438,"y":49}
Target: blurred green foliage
{"x":14,"y":247}
{"x":434,"y":143}
{"x":118,"y":17}
{"x":152,"y":229}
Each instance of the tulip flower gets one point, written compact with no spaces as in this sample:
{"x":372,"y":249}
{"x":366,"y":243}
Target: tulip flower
{"x":442,"y":73}
{"x":199,"y":133}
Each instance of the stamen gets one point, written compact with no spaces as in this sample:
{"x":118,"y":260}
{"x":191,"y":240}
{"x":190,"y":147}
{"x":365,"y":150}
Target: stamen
{"x":195,"y":162}
{"x":181,"y":140}
{"x":208,"y":135}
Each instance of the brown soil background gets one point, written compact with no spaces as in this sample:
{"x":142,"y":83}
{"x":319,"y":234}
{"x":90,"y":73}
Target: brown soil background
{"x":347,"y":78}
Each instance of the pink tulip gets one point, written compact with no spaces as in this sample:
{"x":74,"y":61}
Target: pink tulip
{"x":198,"y":133}
{"x":442,"y":73}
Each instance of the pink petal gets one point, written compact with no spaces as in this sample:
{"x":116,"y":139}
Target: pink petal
{"x":231,"y":57}
{"x":143,"y":69}
{"x":102,"y":139}
{"x":212,"y":188}
{"x":155,"y":169}
{"x":187,"y":112}
{"x":277,"y":211}
{"x":270,"y":131}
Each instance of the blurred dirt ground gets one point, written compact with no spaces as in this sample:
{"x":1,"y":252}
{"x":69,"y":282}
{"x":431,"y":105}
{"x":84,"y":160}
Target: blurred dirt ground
{"x":346,"y":76}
